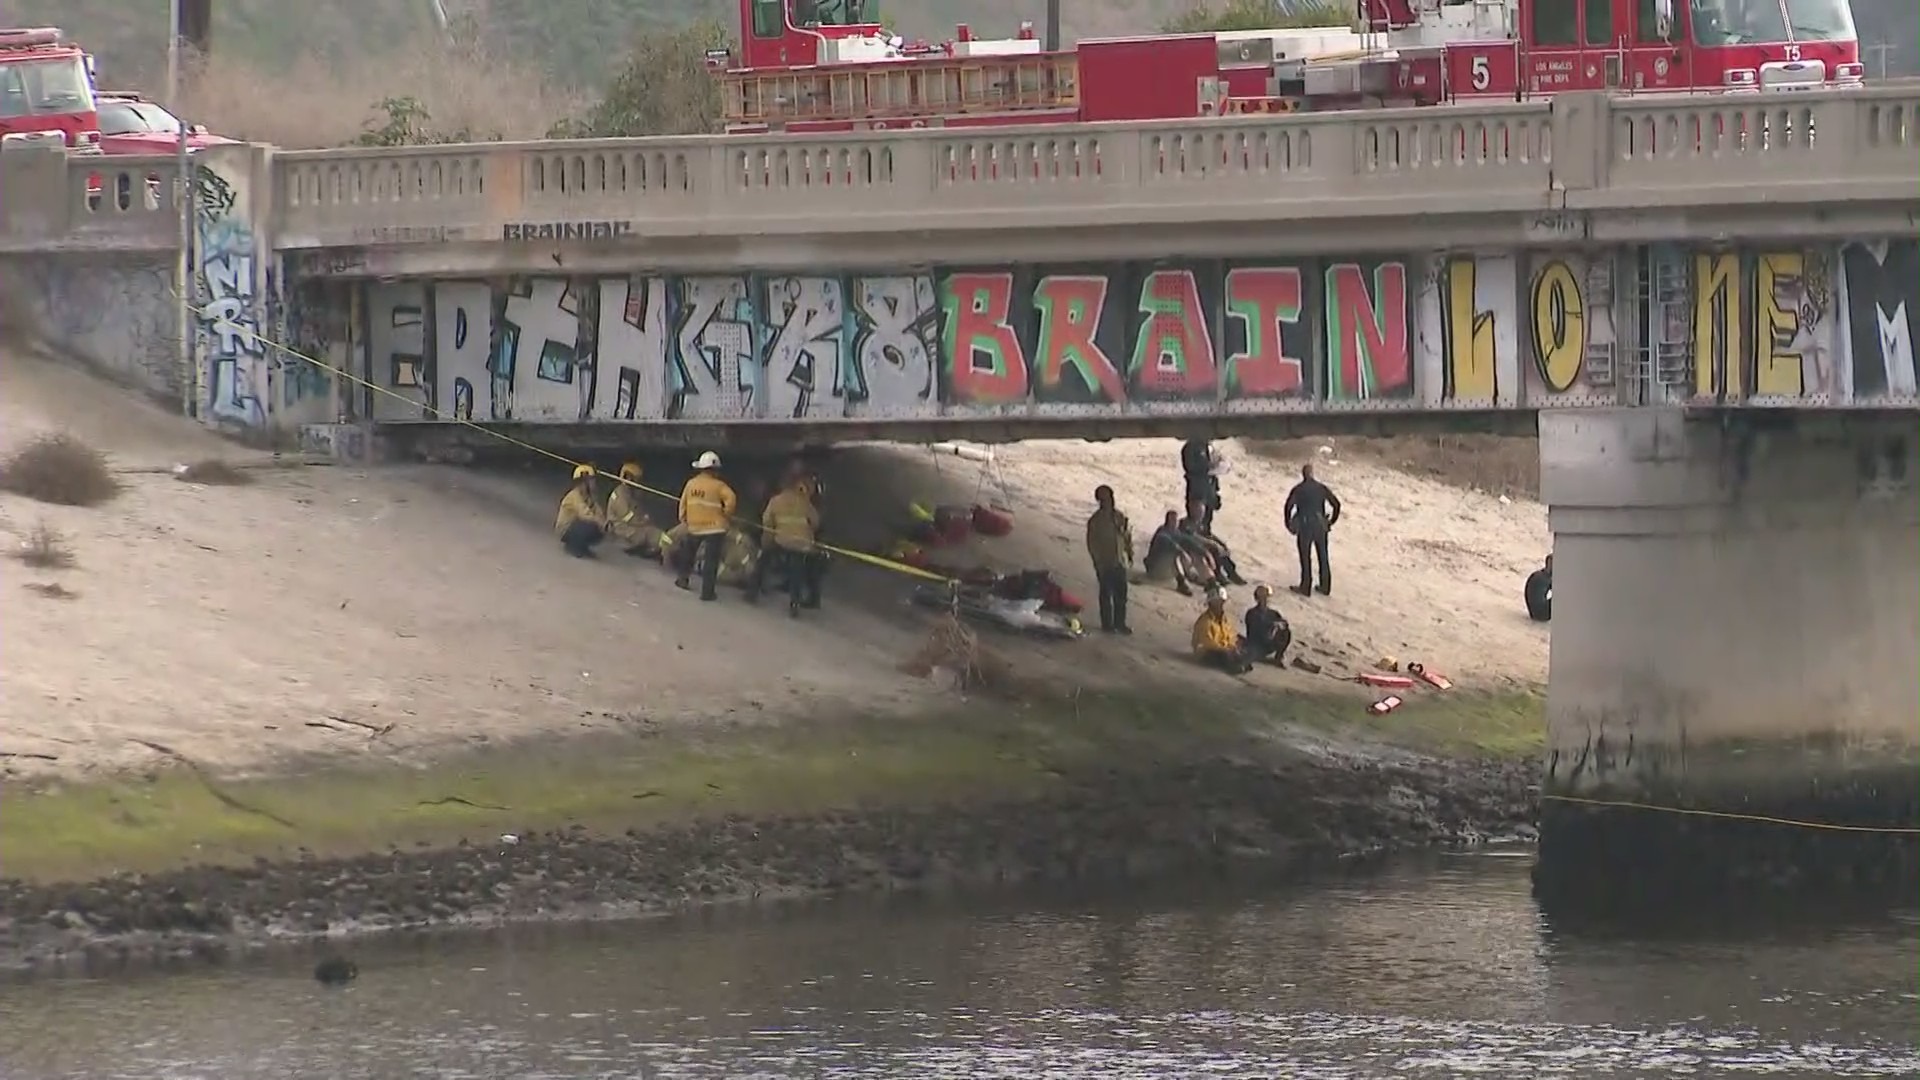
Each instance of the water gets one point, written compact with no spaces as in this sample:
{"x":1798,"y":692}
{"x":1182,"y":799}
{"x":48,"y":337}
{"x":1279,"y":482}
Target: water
{"x":1437,"y":968}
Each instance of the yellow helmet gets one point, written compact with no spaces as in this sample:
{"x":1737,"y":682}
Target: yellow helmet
{"x":630,"y":471}
{"x":583,"y":472}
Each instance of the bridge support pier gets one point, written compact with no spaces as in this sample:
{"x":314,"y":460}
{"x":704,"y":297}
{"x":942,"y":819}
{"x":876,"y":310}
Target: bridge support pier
{"x":1737,"y":631}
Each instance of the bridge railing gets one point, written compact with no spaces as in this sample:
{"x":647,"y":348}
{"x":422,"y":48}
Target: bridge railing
{"x":938,"y":178}
{"x":1579,"y":150}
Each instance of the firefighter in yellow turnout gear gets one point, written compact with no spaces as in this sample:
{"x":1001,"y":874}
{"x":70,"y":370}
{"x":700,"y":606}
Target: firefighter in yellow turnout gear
{"x":580,"y":525}
{"x":789,"y":538}
{"x":706,"y":508}
{"x":627,"y":522}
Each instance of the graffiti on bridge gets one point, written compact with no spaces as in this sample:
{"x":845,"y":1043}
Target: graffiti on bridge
{"x":1191,"y":334}
{"x":646,"y":347}
{"x":1803,"y":322}
{"x":1452,"y":330}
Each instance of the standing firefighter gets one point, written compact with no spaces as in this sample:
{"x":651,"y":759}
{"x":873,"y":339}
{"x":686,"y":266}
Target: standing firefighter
{"x":580,"y":525}
{"x":1110,"y":546}
{"x":1312,"y":512}
{"x":706,"y":507}
{"x":790,"y":527}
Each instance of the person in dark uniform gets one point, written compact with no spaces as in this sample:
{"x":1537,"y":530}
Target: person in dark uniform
{"x":1203,"y":486}
{"x":1540,"y":593}
{"x":1311,"y":513}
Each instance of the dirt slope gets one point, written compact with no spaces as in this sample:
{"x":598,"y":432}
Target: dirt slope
{"x":246,"y":627}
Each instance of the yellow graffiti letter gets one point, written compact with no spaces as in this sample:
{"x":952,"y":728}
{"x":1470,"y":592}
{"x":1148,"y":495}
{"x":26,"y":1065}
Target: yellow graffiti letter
{"x":1470,"y":367}
{"x":1559,"y":326}
{"x":1716,"y":325}
{"x":1776,"y":325}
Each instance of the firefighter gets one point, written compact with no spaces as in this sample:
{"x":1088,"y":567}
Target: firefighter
{"x":790,"y":528}
{"x":1214,"y":642}
{"x":626,"y":521}
{"x":580,"y":525}
{"x":706,"y":508}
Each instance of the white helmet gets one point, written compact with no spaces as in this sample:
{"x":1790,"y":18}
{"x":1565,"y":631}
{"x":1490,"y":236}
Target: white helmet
{"x":707,"y":460}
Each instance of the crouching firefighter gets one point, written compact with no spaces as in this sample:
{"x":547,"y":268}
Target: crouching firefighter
{"x":790,"y":538}
{"x":580,"y":524}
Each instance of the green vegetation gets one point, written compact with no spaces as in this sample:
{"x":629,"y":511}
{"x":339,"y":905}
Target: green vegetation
{"x":1257,"y":15}
{"x":989,"y":750}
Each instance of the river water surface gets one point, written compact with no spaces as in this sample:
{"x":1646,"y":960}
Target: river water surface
{"x":1438,"y":967}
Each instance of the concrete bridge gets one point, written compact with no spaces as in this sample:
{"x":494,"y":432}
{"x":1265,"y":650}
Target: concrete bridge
{"x":1708,"y":303}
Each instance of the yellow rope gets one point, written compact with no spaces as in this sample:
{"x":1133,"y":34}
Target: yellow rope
{"x":342,"y":373}
{"x":1886,"y":830}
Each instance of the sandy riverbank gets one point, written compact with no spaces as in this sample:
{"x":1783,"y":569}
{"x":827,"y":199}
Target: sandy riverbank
{"x":330,"y":662}
{"x":628,"y":824}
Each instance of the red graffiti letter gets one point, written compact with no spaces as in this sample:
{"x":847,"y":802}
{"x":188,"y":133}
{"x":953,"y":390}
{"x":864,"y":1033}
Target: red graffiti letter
{"x":1264,"y":300}
{"x":1173,"y":356}
{"x":1069,"y":308}
{"x":985,"y":364}
{"x":1367,"y":333}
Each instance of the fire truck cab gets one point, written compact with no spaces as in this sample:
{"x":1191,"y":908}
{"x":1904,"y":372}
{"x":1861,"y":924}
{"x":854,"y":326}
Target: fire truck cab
{"x":1533,"y":48}
{"x":46,"y":90}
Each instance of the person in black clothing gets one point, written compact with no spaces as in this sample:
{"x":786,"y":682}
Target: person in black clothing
{"x":1540,"y":593}
{"x":1312,"y":512}
{"x":1268,"y":635}
{"x":1203,"y":487}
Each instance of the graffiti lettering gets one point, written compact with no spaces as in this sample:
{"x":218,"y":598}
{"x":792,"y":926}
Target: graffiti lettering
{"x":1266,"y":303}
{"x":1882,"y":283}
{"x":896,"y":344}
{"x":1367,"y":354}
{"x":985,"y":363}
{"x":714,"y":372}
{"x":566,"y":230}
{"x":1173,"y":351}
{"x":1468,"y":336}
{"x":801,"y":347}
{"x":1559,"y":326}
{"x":1716,"y":325}
{"x":803,"y":357}
{"x":1069,"y":309}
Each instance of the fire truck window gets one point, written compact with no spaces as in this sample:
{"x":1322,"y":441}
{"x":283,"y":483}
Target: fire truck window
{"x":1599,"y":15}
{"x":1738,"y":22}
{"x":1556,"y":22}
{"x":769,"y":18}
{"x":13,"y":92}
{"x":1646,"y":21}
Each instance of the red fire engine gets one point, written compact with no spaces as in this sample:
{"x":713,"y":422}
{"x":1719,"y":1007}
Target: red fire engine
{"x":46,"y":90}
{"x":826,"y":65}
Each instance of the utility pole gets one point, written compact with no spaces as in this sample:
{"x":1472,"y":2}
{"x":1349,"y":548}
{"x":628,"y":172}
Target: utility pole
{"x":183,"y":189}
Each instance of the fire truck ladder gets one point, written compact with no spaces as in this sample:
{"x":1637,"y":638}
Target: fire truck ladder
{"x":903,"y":90}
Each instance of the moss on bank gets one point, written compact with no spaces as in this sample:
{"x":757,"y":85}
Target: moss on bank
{"x":982,"y":750}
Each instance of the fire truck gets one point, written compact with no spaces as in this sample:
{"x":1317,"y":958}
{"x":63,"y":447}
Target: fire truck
{"x":46,"y":90}
{"x":829,"y":65}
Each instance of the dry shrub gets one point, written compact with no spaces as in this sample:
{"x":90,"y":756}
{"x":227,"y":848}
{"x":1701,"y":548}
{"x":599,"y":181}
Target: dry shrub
{"x":319,"y":102}
{"x":1500,"y":464}
{"x":215,"y":472}
{"x":45,"y":549}
{"x":953,"y":646}
{"x":52,"y":590}
{"x":59,"y":469}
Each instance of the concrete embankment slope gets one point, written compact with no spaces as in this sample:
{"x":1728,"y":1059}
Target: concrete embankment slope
{"x":328,"y":662}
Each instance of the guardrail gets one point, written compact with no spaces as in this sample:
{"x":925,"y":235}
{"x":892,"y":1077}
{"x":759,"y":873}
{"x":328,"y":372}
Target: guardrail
{"x":1576,"y":151}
